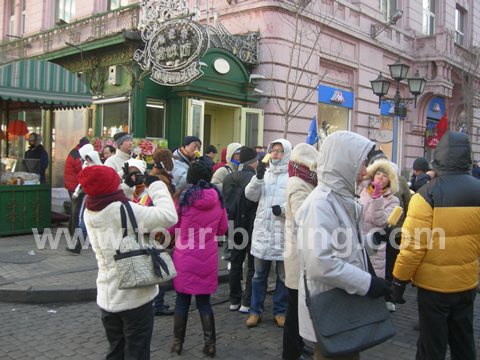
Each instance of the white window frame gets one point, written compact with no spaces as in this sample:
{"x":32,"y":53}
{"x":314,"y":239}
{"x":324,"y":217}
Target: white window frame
{"x":116,"y":4}
{"x":64,"y":9}
{"x":157,"y":103}
{"x":11,"y":28}
{"x":387,"y":7}
{"x":459,"y":26}
{"x":428,"y":17}
{"x":243,"y":125}
{"x":22,"y":25}
{"x":101,"y":102}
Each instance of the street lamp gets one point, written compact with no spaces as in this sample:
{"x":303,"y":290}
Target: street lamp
{"x":380,"y":87}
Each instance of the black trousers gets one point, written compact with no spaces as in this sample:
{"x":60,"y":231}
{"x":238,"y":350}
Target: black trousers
{"x":238,"y":256}
{"x":292,"y":341}
{"x":74,"y":217}
{"x":129,"y":332}
{"x":446,"y":318}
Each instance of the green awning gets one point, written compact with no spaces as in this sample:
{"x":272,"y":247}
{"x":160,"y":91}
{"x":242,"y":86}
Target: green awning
{"x":43,"y":82}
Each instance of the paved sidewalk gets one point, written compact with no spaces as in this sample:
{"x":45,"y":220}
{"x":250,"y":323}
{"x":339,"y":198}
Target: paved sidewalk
{"x":35,"y":273}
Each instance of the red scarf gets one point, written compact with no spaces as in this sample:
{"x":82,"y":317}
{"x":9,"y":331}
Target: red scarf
{"x":100,"y":202}
{"x":303,"y":172}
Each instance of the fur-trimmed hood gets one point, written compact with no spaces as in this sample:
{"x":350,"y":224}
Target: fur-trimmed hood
{"x":391,"y":172}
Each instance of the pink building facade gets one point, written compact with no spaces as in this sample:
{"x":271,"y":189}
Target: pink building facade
{"x":318,"y":58}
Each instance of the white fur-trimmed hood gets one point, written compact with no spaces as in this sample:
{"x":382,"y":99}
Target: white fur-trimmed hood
{"x":391,"y":172}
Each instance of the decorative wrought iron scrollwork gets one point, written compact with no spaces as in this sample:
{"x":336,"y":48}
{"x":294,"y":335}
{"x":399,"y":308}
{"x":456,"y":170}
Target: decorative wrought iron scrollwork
{"x":12,"y":211}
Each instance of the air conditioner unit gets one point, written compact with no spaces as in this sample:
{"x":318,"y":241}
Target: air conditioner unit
{"x":114,"y":75}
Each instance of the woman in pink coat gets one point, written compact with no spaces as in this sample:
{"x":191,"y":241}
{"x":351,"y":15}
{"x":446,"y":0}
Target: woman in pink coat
{"x":201,"y":216}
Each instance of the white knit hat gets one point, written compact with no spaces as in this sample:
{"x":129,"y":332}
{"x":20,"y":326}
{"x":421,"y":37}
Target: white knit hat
{"x":139,"y":164}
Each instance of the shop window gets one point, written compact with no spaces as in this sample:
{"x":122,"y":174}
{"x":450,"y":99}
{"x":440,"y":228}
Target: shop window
{"x":332,"y":118}
{"x":155,"y":122}
{"x":428,"y":17}
{"x":114,"y":115}
{"x":459,"y":24}
{"x":64,"y":10}
{"x":15,"y":146}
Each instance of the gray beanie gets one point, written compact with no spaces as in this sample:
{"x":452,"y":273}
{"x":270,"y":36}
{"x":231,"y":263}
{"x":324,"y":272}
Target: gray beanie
{"x":421,"y":164}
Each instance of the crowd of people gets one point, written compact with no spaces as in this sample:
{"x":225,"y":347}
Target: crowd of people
{"x":269,"y":206}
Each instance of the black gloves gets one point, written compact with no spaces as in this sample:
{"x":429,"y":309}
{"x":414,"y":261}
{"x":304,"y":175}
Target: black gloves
{"x":276,"y":210}
{"x":379,"y":238}
{"x":149,"y":179}
{"x":379,"y":287}
{"x":398,"y":288}
{"x":129,"y":178}
{"x":261,"y":168}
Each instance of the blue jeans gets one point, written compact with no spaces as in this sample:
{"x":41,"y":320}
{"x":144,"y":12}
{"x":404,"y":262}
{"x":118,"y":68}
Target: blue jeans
{"x":259,"y":288}
{"x":158,"y":302}
{"x":182,"y":304}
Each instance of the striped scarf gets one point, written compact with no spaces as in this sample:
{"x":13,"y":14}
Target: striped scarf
{"x":303,"y":172}
{"x":193,"y":192}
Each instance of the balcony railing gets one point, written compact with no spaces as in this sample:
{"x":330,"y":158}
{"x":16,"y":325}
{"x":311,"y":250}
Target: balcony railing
{"x":81,"y":31}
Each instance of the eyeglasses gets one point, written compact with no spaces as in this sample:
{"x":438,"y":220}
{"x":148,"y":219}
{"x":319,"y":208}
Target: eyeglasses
{"x":278,"y":151}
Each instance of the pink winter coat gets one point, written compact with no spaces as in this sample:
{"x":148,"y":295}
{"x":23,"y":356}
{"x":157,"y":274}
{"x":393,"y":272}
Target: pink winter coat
{"x":196,"y":257}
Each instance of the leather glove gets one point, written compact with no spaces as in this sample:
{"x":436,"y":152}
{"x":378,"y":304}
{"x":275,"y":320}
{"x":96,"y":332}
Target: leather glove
{"x":377,"y":190}
{"x":383,"y":236}
{"x":139,"y":177}
{"x":398,"y":288}
{"x":149,"y":179}
{"x":379,"y":287}
{"x":276,"y":210}
{"x":261,"y":168}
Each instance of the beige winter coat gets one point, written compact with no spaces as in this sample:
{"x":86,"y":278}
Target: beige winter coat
{"x":296,"y":193}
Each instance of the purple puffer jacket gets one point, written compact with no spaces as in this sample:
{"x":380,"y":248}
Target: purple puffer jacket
{"x":196,"y":257}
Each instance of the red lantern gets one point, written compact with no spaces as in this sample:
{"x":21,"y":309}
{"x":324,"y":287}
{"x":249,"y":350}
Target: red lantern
{"x":17,"y":127}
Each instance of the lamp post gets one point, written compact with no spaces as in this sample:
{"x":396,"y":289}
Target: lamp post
{"x":380,"y":87}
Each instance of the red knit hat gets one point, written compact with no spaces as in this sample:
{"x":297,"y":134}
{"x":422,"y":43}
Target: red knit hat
{"x":98,"y":179}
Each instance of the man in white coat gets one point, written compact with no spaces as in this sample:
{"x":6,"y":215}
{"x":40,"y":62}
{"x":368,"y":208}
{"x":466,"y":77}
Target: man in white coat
{"x":328,"y":229}
{"x":268,"y":187}
{"x":124,"y":144}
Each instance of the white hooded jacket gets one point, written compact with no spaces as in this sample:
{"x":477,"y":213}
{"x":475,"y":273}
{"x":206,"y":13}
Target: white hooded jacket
{"x":222,"y":172}
{"x":328,"y":226}
{"x":268,"y":230}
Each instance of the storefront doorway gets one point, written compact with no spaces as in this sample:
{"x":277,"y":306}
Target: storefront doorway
{"x":220,"y":124}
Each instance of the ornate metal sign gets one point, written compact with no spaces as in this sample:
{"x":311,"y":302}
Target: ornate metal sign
{"x":173,"y":47}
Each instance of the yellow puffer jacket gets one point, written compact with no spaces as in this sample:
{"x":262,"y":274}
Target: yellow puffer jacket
{"x":441,"y":234}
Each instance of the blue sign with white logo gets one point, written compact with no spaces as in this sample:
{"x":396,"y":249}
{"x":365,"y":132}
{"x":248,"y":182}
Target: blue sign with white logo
{"x":333,"y":96}
{"x":436,"y":109}
{"x":388,"y":109}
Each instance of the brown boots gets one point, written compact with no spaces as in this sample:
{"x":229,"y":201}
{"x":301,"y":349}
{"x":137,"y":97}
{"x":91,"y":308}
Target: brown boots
{"x":180,"y":327}
{"x":208,"y":324}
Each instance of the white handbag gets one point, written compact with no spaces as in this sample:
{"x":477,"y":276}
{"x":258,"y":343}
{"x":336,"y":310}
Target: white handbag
{"x":138,"y":264}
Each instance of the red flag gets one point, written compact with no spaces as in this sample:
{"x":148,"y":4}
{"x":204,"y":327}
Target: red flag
{"x":442,"y":126}
{"x":440,"y":130}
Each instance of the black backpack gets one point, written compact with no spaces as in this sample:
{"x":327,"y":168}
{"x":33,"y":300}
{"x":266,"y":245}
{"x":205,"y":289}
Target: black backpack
{"x":236,"y":209}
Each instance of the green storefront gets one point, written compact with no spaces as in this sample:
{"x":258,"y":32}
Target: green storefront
{"x":30,"y":93}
